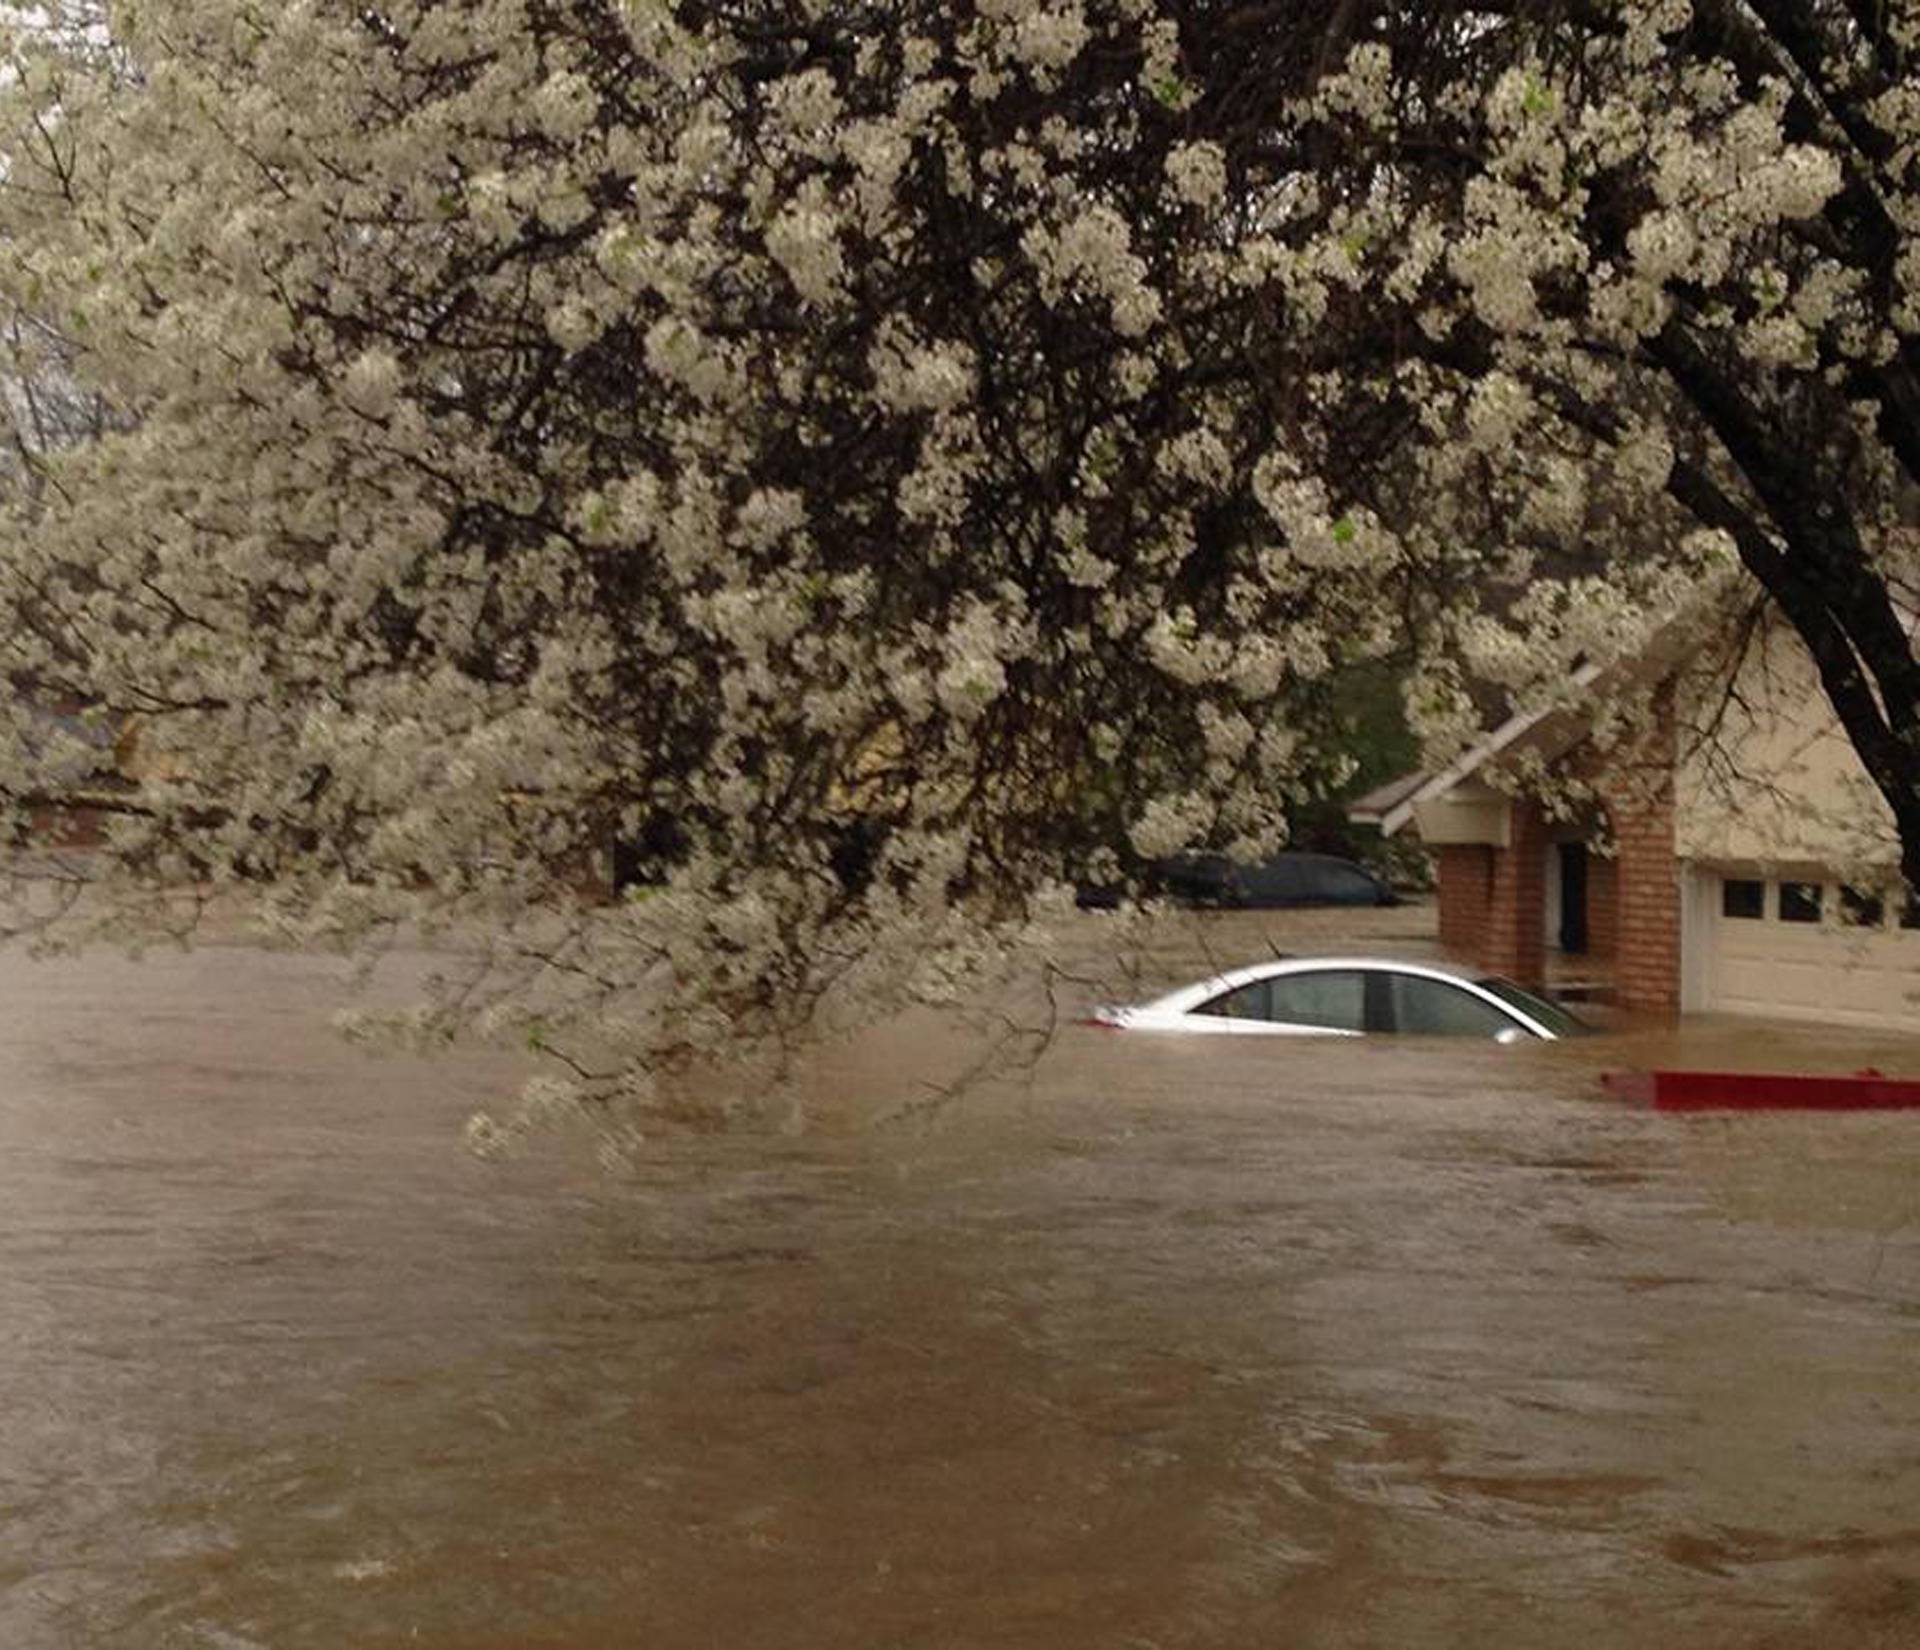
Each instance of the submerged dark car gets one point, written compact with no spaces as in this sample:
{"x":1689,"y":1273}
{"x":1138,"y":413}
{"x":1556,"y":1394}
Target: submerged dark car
{"x":1284,"y":881}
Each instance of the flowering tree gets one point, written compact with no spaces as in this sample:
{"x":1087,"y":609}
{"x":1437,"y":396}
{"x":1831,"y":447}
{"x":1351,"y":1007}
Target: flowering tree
{"x":831,"y":451}
{"x":1642,"y":272}
{"x":869,"y":459}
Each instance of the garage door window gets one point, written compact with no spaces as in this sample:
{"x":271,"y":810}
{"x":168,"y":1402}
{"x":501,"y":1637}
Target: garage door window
{"x":1800,"y":901}
{"x":1739,"y":898}
{"x":1862,"y":907}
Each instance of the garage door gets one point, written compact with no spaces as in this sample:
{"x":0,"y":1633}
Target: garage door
{"x":1811,"y":950}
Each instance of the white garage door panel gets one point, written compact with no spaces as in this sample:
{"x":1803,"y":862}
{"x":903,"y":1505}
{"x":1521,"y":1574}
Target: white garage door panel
{"x":1815,"y":993}
{"x":1848,"y":976}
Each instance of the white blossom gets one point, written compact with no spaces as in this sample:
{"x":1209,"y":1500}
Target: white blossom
{"x":1197,"y":174}
{"x":804,"y":239}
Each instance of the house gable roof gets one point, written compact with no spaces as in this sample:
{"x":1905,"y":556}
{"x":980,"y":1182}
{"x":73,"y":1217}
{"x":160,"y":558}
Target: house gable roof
{"x":1552,"y":730}
{"x":1392,"y":805}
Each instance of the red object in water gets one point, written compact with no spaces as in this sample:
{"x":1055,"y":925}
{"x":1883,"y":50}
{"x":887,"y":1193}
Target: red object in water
{"x":1765,"y":1091}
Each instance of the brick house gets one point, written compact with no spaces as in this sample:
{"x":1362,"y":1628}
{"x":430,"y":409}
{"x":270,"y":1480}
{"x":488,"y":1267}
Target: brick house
{"x":84,"y":762}
{"x":1732,"y":858}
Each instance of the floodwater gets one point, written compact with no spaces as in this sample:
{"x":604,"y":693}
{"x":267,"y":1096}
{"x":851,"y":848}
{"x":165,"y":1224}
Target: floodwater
{"x":1159,"y":1346}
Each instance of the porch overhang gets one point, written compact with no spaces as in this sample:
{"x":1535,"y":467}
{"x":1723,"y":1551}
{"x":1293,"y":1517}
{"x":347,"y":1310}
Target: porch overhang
{"x":1469,"y":815}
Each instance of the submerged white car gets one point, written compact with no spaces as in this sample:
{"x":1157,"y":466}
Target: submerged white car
{"x":1349,"y":997}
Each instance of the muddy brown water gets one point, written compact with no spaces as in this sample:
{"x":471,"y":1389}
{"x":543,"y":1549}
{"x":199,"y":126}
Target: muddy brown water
{"x":1160,"y":1345}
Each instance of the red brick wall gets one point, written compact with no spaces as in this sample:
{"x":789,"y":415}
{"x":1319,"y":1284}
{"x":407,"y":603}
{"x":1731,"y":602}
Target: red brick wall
{"x":1647,"y":958}
{"x":1647,"y":875}
{"x":1515,"y":944}
{"x":1493,"y":901}
{"x":1466,"y":879}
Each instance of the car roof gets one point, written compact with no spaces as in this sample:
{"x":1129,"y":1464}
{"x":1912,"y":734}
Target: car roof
{"x":1201,"y":990}
{"x":1306,"y":856}
{"x":1286,"y":856}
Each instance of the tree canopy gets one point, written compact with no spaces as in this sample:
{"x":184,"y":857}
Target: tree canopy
{"x":1673,"y":238}
{"x":873,"y":459}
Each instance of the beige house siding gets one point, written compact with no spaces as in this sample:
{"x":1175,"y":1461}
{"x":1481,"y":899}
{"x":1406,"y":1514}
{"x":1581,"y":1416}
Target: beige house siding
{"x":1766,"y":775}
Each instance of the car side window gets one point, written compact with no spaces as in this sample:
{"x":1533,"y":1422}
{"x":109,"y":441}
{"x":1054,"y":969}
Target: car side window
{"x":1334,"y":998}
{"x":1432,"y":1008}
{"x":1247,"y":1002}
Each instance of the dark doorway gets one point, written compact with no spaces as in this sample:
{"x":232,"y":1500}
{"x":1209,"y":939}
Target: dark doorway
{"x":1573,"y":898}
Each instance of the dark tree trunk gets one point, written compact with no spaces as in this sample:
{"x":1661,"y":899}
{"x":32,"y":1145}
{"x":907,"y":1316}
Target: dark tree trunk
{"x":1808,"y":554}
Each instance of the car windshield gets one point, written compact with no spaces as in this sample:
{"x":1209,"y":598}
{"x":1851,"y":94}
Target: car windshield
{"x":1551,"y":1015}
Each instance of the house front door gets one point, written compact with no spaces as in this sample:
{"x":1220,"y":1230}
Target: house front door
{"x":1573,"y":898}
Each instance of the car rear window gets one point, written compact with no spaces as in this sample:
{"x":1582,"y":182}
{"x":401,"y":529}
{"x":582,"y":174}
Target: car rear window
{"x":1551,"y":1015}
{"x":1436,"y":1008}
